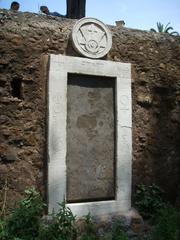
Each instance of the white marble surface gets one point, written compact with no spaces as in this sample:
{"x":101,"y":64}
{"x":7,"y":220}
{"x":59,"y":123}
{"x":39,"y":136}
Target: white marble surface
{"x":60,"y":66}
{"x":91,"y":38}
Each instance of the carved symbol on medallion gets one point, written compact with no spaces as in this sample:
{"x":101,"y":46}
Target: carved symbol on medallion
{"x":91,"y":38}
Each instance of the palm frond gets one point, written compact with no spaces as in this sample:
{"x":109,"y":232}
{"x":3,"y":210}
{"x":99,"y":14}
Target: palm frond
{"x":166,"y":29}
{"x":153,"y":30}
{"x":166,"y":26}
{"x":160,"y":27}
{"x":174,"y":33}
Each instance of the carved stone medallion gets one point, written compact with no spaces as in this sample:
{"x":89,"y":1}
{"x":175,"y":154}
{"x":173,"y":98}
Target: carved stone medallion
{"x":91,"y":38}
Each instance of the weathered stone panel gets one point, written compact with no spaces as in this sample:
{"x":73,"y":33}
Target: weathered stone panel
{"x":90,"y":138}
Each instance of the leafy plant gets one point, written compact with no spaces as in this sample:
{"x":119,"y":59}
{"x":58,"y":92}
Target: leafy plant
{"x":117,"y":232}
{"x":24,"y":222}
{"x":164,"y":29}
{"x":2,"y":230}
{"x":62,"y":226}
{"x":167,"y":225}
{"x":148,"y":200}
{"x":90,"y":230}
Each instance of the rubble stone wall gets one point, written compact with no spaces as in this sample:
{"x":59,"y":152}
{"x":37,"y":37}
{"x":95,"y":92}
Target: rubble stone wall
{"x":26,"y":40}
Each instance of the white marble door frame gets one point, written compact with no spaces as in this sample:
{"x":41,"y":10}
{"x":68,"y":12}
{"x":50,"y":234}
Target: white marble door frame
{"x":60,"y":66}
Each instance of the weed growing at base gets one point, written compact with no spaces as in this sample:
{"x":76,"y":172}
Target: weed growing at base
{"x":167,"y":224}
{"x":148,"y":200}
{"x":26,"y":223}
{"x":62,"y":226}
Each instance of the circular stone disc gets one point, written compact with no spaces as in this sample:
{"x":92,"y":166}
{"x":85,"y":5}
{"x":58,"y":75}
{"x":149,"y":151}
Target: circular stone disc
{"x":91,"y":38}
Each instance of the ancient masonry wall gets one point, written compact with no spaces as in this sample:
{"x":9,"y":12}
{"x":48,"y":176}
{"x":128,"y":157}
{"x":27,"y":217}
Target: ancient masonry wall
{"x":26,"y":40}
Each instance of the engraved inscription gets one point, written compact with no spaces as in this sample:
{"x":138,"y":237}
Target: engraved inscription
{"x":57,"y":103}
{"x":124,"y":100}
{"x":124,"y":72}
{"x":57,"y":144}
{"x":125,"y":141}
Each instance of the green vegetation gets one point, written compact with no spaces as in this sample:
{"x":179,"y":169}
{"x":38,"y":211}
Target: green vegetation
{"x":26,"y":221}
{"x":62,"y":226}
{"x":148,"y":200}
{"x":117,"y":232}
{"x":164,"y":218}
{"x":164,"y":29}
{"x":167,"y":225}
{"x":90,"y":229}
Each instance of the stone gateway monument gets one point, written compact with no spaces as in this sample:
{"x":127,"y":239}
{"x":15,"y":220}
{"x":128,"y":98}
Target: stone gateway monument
{"x":66,"y":112}
{"x":90,"y":126}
